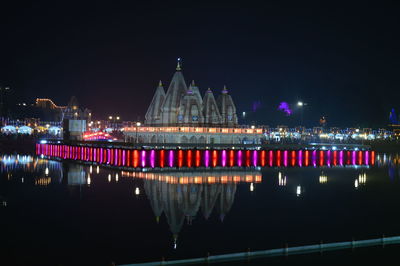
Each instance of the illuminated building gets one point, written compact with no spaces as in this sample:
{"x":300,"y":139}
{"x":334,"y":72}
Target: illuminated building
{"x":181,"y":115}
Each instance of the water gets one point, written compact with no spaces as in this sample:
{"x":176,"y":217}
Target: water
{"x":62,"y":212}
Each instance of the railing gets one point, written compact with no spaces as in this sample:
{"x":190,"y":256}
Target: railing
{"x":286,"y":251}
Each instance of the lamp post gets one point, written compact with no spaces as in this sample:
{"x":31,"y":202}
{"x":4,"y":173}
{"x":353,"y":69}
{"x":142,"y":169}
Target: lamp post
{"x":137,"y":129}
{"x":301,"y":105}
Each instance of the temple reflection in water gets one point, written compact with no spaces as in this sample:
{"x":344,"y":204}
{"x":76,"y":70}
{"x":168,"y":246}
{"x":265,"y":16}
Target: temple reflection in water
{"x":181,"y":195}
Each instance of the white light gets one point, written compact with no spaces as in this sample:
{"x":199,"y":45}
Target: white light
{"x":89,"y":180}
{"x":43,"y":141}
{"x":251,"y":187}
{"x":46,"y":172}
{"x":137,"y":191}
{"x":334,"y":148}
{"x":109,"y":177}
{"x":22,"y":180}
{"x":98,"y":169}
{"x":138,"y":124}
{"x":90,"y":169}
{"x":300,"y":104}
{"x":356,"y":183}
{"x":298,"y":191}
{"x":116,"y":177}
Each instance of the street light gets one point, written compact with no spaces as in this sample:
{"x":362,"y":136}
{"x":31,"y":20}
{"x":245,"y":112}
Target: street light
{"x":301,"y":105}
{"x":137,"y":128}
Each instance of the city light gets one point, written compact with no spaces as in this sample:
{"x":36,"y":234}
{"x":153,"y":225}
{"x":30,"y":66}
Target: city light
{"x":300,"y":103}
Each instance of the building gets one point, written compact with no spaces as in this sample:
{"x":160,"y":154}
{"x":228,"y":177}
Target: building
{"x":182,"y":115}
{"x":184,"y":106}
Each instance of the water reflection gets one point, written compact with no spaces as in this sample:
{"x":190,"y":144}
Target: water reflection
{"x":184,"y":195}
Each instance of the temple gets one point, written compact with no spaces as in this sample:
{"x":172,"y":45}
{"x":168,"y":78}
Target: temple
{"x":184,"y":106}
{"x":182,"y":115}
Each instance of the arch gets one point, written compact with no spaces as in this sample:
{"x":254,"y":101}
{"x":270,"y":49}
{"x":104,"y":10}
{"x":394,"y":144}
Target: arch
{"x":184,"y":139}
{"x":202,"y":140}
{"x":193,"y":139}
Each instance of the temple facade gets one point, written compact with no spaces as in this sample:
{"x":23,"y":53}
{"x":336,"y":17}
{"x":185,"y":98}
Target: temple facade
{"x":184,"y":106}
{"x":182,"y":115}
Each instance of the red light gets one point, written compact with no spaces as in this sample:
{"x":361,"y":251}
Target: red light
{"x":321,"y":157}
{"x":135,"y":158}
{"x":248,"y":156}
{"x":293,"y":161}
{"x":231,"y":158}
{"x":162,"y":158}
{"x":198,"y":158}
{"x":263,"y":160}
{"x":180,"y":158}
{"x":214,"y":158}
{"x":189,"y":158}
{"x":278,"y":159}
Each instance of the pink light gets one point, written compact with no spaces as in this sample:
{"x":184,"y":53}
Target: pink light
{"x":271,"y":158}
{"x":300,"y":158}
{"x":314,"y":158}
{"x":143,"y":159}
{"x":239,"y":158}
{"x":171,"y":158}
{"x":367,"y":157}
{"x":285,"y":158}
{"x":206,"y":158}
{"x":328,"y":159}
{"x":255,"y":158}
{"x":341,"y":158}
{"x":152,"y":158}
{"x":353,"y":156}
{"x":223,"y":159}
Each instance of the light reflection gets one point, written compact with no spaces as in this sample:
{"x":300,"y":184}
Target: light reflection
{"x":298,"y":191}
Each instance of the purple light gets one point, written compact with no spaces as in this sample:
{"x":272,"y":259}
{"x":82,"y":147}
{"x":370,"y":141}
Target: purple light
{"x":123,"y":157}
{"x":171,"y":158}
{"x":152,"y":158}
{"x":285,"y":107}
{"x":143,"y":159}
{"x":223,"y":161}
{"x":207,"y":158}
{"x":353,"y":156}
{"x":367,"y":157}
{"x":255,"y":157}
{"x":314,"y":158}
{"x":341,"y":157}
{"x":300,"y":158}
{"x":239,"y":158}
{"x":328,"y":159}
{"x":285,"y":158}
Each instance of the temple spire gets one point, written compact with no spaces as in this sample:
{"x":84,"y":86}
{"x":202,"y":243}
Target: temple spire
{"x":224,"y":90}
{"x":160,"y":84}
{"x":178,"y":65}
{"x":193,"y":84}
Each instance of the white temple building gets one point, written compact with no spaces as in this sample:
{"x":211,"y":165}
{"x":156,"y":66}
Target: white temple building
{"x":184,"y":106}
{"x":182,"y":115}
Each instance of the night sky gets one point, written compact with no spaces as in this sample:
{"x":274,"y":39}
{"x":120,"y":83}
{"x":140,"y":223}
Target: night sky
{"x":342,"y":60}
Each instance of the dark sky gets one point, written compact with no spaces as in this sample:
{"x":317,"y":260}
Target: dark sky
{"x":343,"y":60}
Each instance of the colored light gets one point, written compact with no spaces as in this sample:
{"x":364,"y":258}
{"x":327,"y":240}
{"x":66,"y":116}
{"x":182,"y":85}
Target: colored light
{"x":143,"y":158}
{"x":255,"y":158}
{"x":180,"y":158}
{"x":214,"y":158}
{"x":239,"y":158}
{"x":198,"y":158}
{"x":171,"y":158}
{"x":162,"y":158}
{"x":300,"y":158}
{"x":189,"y":158}
{"x":223,"y":158}
{"x":285,"y":158}
{"x":152,"y":158}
